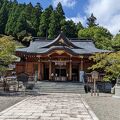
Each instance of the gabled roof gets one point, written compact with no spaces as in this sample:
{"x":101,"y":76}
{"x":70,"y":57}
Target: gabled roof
{"x":74,"y":47}
{"x":61,"y":40}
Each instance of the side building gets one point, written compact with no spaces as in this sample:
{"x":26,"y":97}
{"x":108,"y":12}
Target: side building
{"x":61,"y":59}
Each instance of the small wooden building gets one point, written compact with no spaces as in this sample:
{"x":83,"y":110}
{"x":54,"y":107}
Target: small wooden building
{"x":60,"y":59}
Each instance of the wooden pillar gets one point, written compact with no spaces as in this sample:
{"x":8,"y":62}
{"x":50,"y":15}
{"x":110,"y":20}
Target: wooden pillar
{"x":42,"y":69}
{"x":50,"y":70}
{"x":81,"y":65}
{"x":39,"y":71}
{"x":70,"y":70}
{"x":26,"y":67}
{"x":29,"y":68}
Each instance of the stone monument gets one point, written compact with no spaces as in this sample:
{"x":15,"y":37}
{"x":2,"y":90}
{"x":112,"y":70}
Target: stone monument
{"x":117,"y":88}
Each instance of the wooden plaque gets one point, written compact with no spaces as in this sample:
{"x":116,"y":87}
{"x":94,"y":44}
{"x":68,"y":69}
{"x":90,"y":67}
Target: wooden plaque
{"x":95,"y":74}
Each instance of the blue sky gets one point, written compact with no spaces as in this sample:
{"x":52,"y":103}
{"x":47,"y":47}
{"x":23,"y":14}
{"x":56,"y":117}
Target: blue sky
{"x":70,"y":11}
{"x":107,"y":12}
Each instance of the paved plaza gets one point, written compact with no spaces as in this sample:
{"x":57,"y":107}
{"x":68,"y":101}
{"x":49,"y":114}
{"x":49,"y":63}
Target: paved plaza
{"x":62,"y":106}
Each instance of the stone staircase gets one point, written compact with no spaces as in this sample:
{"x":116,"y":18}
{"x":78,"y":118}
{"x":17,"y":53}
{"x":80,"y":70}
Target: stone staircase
{"x":58,"y":87}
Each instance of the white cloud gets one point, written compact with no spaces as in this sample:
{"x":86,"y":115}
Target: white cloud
{"x":107,"y":13}
{"x":65,"y":3}
{"x":78,"y":19}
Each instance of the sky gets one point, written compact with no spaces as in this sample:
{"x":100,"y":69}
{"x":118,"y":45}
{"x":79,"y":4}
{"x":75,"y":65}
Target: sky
{"x":107,"y":12}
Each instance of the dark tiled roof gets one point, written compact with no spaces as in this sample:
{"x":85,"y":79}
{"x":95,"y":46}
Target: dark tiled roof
{"x":74,"y":46}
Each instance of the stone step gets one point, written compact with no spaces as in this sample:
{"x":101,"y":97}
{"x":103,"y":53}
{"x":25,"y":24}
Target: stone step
{"x":59,"y":91}
{"x":81,"y":87}
{"x":80,"y":92}
{"x":59,"y":87}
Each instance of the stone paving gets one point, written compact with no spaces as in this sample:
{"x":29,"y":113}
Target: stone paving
{"x":62,"y":106}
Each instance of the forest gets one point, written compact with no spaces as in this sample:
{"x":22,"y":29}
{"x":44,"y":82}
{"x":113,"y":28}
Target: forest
{"x":24,"y":21}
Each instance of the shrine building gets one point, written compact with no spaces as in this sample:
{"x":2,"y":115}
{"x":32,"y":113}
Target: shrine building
{"x":60,"y":59}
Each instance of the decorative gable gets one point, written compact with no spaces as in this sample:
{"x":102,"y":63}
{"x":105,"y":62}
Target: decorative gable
{"x":61,"y":40}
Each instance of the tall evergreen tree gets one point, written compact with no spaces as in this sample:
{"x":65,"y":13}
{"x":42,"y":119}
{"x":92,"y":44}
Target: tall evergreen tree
{"x":35,"y":18}
{"x":4,"y":16}
{"x":69,"y":28}
{"x":60,"y":16}
{"x":1,"y":3}
{"x":53,"y":26}
{"x":79,"y":26}
{"x":28,"y":10}
{"x":60,"y":12}
{"x":44,"y":22}
{"x":12,"y":19}
{"x":21,"y":23}
{"x":91,"y":21}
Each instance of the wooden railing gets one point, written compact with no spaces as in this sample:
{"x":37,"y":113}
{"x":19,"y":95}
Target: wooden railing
{"x":89,"y":77}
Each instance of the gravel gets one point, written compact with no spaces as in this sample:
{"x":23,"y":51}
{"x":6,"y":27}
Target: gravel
{"x":7,"y":101}
{"x":104,"y":106}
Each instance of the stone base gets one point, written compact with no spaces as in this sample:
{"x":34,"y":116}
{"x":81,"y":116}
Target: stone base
{"x":115,"y":96}
{"x":117,"y":91}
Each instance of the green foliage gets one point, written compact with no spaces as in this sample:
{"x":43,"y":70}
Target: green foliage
{"x":60,"y":12}
{"x":36,"y":14}
{"x":79,"y":26}
{"x":4,"y":16}
{"x":101,"y":36}
{"x":44,"y":22}
{"x":91,"y":21}
{"x":69,"y":28}
{"x":56,"y":18}
{"x":110,"y":62}
{"x":13,"y":19}
{"x":7,"y":48}
{"x":53,"y":26}
{"x":116,"y":42}
{"x":60,"y":15}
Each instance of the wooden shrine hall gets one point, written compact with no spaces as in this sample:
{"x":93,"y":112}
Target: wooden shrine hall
{"x":61,"y":59}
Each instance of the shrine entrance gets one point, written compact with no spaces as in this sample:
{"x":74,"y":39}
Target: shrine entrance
{"x":60,"y":67}
{"x":60,"y":71}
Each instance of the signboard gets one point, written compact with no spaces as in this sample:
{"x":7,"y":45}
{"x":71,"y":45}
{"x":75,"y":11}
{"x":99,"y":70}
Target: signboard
{"x":95,"y":75}
{"x":60,"y":63}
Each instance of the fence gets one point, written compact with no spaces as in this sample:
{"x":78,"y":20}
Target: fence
{"x":90,"y":80}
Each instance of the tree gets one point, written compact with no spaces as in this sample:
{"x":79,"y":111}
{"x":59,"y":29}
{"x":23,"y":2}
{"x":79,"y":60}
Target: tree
{"x":12,"y":19}
{"x":21,"y":23}
{"x":79,"y":26}
{"x":44,"y":22}
{"x":4,"y":16}
{"x":91,"y":21}
{"x":69,"y":28}
{"x":28,"y":10}
{"x":60,"y":12}
{"x":53,"y":26}
{"x":7,"y":48}
{"x":101,"y":36}
{"x":60,"y":16}
{"x":36,"y":14}
{"x":110,"y":62}
{"x":116,"y":42}
{"x":1,"y":3}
